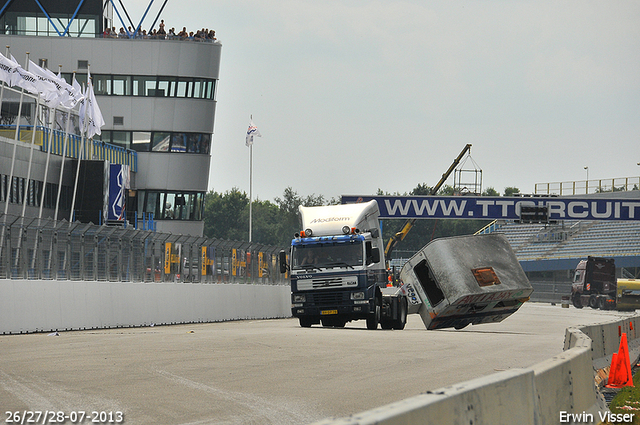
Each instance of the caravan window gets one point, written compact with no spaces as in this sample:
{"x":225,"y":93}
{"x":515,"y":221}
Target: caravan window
{"x":428,"y":283}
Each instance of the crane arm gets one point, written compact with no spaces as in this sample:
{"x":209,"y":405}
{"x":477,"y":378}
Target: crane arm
{"x":409,"y":223}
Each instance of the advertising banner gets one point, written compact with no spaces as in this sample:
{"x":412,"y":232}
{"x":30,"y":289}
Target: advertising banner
{"x":118,"y":184}
{"x":167,"y":258}
{"x":505,"y":208}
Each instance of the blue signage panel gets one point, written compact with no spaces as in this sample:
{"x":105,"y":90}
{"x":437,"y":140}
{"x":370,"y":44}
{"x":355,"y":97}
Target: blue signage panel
{"x":118,"y":183}
{"x":505,"y":208}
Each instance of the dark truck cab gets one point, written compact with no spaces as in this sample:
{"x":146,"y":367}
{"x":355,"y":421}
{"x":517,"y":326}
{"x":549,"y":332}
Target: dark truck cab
{"x":594,"y":283}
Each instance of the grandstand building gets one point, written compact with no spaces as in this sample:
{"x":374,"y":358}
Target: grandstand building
{"x":158,"y":100}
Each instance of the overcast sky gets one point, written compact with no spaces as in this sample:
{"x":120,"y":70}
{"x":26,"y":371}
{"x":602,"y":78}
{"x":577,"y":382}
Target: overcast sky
{"x":354,"y":96}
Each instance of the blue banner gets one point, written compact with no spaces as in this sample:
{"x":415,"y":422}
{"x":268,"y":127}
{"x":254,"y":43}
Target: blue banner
{"x":118,"y":183}
{"x":505,"y":208}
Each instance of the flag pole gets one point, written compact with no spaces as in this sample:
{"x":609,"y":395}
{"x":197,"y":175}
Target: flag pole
{"x":251,"y":131}
{"x":250,"y":186}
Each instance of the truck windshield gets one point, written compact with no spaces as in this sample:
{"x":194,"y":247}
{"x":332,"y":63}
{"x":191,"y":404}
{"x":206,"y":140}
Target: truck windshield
{"x":319,"y":256}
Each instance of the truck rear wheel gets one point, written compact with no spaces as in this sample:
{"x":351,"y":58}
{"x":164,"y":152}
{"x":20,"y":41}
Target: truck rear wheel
{"x":399,"y":323}
{"x":593,"y":301}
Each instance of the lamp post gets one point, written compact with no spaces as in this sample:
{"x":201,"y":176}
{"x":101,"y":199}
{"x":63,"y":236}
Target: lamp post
{"x":586,"y":185}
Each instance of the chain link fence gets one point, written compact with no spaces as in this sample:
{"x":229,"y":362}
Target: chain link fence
{"x":32,"y":248}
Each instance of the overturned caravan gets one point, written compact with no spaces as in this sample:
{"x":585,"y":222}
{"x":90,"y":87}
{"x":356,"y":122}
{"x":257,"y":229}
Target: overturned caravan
{"x":465,"y":280}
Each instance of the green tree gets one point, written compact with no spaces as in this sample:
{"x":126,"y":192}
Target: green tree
{"x":421,"y":189}
{"x":490,"y":191}
{"x":265,"y":222}
{"x":511,"y":191}
{"x":223,"y":215}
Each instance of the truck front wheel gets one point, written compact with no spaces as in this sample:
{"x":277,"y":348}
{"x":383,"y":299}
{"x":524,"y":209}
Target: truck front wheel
{"x":576,"y":301}
{"x":306,"y":322}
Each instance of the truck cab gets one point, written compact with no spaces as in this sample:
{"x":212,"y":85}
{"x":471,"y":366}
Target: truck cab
{"x":338,"y":271}
{"x":594,"y":283}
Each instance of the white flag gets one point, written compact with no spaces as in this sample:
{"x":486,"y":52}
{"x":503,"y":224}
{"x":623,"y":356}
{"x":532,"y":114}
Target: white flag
{"x":54,"y":93}
{"x":252,"y":131}
{"x":24,"y":79}
{"x":7,"y":69}
{"x":83,"y":101}
{"x":92,"y":111}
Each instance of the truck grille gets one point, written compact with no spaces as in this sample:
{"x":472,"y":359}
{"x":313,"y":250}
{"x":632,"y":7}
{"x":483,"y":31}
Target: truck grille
{"x":328,"y":282}
{"x":328,"y":298}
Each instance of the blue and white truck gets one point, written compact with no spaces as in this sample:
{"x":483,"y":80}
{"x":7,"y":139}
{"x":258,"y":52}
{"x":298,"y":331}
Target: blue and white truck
{"x":337,"y":269}
{"x":338,"y":274}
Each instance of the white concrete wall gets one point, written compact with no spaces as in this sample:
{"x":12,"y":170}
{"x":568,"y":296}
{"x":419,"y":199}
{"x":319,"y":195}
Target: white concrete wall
{"x":43,"y":306}
{"x":531,"y":396}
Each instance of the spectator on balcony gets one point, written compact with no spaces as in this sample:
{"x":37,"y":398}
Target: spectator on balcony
{"x":161,"y":33}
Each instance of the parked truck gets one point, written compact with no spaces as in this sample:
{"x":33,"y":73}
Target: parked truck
{"x":595,"y":285}
{"x":337,"y":269}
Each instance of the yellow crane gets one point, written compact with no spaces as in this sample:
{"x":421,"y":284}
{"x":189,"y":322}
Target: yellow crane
{"x":409,"y":223}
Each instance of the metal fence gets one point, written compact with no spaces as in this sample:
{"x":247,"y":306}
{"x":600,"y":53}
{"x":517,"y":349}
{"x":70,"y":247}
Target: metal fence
{"x":32,"y":248}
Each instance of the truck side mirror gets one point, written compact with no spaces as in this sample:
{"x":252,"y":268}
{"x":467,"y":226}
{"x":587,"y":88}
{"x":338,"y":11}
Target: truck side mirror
{"x":282,"y":256}
{"x":375,"y":254}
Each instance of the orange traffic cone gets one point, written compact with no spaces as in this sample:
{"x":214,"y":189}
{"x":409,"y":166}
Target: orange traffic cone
{"x":620,"y":372}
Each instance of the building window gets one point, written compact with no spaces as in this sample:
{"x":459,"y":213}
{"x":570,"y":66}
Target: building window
{"x":178,"y":142}
{"x":141,"y":141}
{"x":148,"y":86}
{"x":166,"y":86}
{"x":3,"y":187}
{"x":160,"y":142}
{"x":199,"y":143}
{"x":101,"y":84}
{"x":144,"y":86}
{"x":185,"y":206}
{"x":121,"y":85}
{"x":121,"y":138}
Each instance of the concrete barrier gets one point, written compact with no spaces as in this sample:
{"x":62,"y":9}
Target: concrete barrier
{"x":48,"y":305}
{"x":559,"y":390}
{"x":565,"y":383}
{"x":470,"y":402}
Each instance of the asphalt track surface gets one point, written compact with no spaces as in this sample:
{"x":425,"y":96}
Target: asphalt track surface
{"x":265,"y":371}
